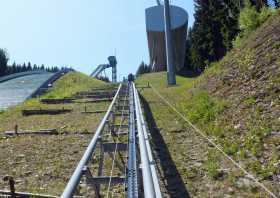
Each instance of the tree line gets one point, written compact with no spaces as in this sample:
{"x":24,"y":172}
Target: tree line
{"x":6,"y":69}
{"x":143,"y":68}
{"x":219,"y":26}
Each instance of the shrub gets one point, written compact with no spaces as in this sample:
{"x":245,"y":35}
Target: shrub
{"x":237,"y":41}
{"x":248,"y":19}
{"x":265,"y":14}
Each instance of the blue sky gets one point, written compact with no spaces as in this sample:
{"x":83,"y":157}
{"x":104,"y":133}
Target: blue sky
{"x":79,"y":33}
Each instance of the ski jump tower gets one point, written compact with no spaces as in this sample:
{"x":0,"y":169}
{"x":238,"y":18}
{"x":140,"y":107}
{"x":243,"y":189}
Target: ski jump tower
{"x":100,"y":68}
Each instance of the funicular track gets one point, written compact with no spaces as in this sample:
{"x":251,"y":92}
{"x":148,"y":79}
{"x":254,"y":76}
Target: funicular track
{"x":118,"y":161}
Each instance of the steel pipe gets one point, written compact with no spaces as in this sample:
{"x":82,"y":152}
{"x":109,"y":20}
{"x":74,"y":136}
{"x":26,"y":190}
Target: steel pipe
{"x":76,"y":177}
{"x":149,"y":150}
{"x":171,"y":79}
{"x":147,"y":175}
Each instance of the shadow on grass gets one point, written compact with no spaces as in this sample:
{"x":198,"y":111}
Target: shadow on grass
{"x":189,"y":73}
{"x":175,"y":185}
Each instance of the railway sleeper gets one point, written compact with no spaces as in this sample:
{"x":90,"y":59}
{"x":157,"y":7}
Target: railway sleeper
{"x":112,"y":146}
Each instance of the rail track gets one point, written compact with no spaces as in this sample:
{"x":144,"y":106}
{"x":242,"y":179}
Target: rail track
{"x":118,"y":161}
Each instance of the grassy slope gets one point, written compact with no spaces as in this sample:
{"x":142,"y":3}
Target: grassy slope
{"x":65,"y":86}
{"x":236,"y":103}
{"x":44,"y":163}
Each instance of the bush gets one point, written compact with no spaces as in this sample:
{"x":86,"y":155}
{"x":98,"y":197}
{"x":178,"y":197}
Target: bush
{"x":248,"y":19}
{"x":237,"y":41}
{"x":265,"y":14}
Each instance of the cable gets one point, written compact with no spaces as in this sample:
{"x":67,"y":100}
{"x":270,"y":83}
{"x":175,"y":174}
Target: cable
{"x":214,"y":144}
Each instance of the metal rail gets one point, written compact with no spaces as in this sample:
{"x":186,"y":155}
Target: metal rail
{"x":149,"y":178}
{"x":132,"y":184}
{"x":123,"y":132}
{"x":76,"y":177}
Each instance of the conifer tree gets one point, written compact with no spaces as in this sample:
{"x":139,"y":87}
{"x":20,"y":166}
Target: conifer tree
{"x":3,"y":62}
{"x":259,"y":4}
{"x":24,"y":68}
{"x":215,"y":26}
{"x":29,"y":67}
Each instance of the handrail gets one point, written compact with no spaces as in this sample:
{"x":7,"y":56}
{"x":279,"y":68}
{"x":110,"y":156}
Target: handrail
{"x":76,"y":177}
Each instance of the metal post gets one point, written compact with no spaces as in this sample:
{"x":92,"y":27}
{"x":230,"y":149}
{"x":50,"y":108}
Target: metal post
{"x":113,"y":63}
{"x":114,"y":74}
{"x":171,"y":79}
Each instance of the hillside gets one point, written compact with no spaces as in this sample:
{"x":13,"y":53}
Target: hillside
{"x":236,"y":103}
{"x":43,"y":163}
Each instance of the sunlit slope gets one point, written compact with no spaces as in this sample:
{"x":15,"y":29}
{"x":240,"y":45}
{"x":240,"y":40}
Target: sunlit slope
{"x":44,"y":163}
{"x":235,"y":103}
{"x":18,"y":89}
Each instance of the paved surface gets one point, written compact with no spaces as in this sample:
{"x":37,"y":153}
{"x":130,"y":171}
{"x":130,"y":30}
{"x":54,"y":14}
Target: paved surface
{"x":18,"y":89}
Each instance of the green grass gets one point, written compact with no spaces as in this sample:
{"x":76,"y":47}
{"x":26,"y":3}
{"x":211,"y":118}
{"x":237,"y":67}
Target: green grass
{"x":212,"y":165}
{"x":65,"y":86}
{"x":196,"y":104}
{"x":250,"y":101}
{"x":71,"y":83}
{"x":44,"y":156}
{"x":263,"y":172}
{"x":233,"y":112}
{"x":257,"y":131}
{"x":231,"y":147}
{"x":202,"y":108}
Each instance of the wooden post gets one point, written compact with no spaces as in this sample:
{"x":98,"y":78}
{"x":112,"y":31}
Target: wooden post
{"x":16,"y":129}
{"x":11,"y":183}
